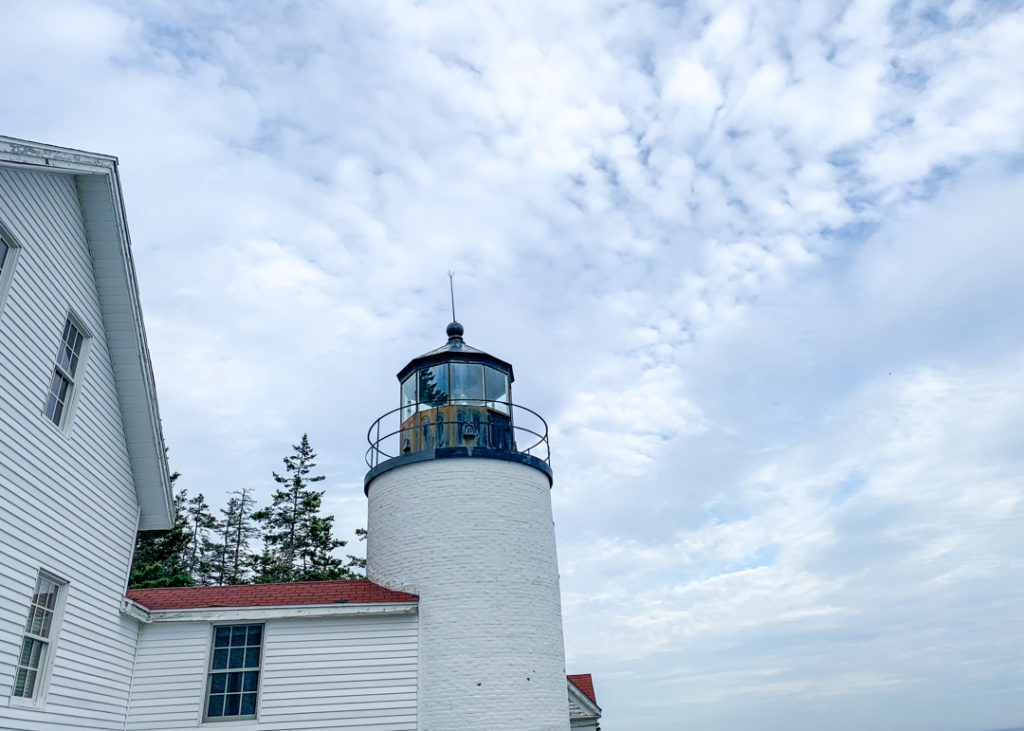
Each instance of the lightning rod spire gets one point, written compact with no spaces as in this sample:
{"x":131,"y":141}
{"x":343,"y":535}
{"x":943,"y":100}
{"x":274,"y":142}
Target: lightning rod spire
{"x":451,"y":287}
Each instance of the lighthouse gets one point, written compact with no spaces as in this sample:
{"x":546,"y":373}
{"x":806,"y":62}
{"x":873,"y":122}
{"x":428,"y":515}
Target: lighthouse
{"x":459,"y":513}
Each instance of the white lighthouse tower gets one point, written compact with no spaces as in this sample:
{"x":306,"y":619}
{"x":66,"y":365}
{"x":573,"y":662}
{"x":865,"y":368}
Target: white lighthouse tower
{"x":460,"y":514}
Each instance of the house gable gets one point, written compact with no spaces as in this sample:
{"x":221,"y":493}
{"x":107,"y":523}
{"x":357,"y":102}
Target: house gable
{"x":584,"y":713}
{"x":99,"y":194}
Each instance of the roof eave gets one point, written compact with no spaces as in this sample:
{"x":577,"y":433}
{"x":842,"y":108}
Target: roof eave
{"x":583,"y":699}
{"x":456,"y":356}
{"x":283,"y":611}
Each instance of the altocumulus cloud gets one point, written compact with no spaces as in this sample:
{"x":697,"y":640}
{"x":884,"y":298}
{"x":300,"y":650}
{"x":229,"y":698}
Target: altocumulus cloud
{"x":758,"y":264}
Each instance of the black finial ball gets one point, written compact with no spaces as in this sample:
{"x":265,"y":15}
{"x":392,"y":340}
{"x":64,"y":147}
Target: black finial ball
{"x":455,"y":330}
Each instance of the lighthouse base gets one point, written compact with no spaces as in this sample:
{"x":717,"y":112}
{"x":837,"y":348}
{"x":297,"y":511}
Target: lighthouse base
{"x":474,"y":538}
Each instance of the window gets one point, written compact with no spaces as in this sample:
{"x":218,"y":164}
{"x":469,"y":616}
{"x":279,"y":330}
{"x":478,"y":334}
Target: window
{"x":497,"y":389}
{"x":408,"y":397}
{"x":8,"y":255}
{"x":467,"y":383}
{"x":433,"y":385}
{"x":68,"y":355}
{"x":456,"y":382}
{"x":35,"y":645}
{"x":233,"y":684}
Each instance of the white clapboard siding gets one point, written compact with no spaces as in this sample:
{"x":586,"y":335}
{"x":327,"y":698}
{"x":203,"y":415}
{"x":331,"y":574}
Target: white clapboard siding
{"x":68,"y":496}
{"x":351,"y":672}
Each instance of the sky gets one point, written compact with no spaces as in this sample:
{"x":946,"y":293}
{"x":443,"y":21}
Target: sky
{"x":759,"y":266}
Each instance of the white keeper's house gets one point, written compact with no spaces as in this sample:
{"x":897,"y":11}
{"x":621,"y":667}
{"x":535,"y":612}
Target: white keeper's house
{"x":458,"y":625}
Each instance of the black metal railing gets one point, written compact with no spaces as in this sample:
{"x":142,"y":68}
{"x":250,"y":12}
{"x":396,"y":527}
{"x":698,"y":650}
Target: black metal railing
{"x":458,"y":423}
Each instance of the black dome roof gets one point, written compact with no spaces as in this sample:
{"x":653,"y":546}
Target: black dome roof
{"x":455,"y":350}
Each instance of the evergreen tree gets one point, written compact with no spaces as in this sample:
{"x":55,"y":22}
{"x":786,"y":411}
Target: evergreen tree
{"x":430,"y":392}
{"x":235,"y":558}
{"x":160,"y":557}
{"x":357,"y":564}
{"x":201,"y":555}
{"x":297,"y":541}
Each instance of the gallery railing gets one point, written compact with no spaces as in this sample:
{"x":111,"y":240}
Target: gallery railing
{"x":458,"y":423}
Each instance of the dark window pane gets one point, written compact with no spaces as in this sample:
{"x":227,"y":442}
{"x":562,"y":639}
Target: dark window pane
{"x":255,"y":634}
{"x":252,"y":657}
{"x":64,"y":357}
{"x":46,"y":594}
{"x":31,"y":651}
{"x":47,"y":622}
{"x":237,"y":657}
{"x":252,"y":681}
{"x":231,"y":704}
{"x":248,"y":704}
{"x":67,"y":330}
{"x":235,"y":682}
{"x":74,"y":365}
{"x":433,"y":385}
{"x":215,"y":707}
{"x":20,"y":681}
{"x":35,"y":620}
{"x":222,"y":636}
{"x":220,"y":659}
{"x":58,"y":411}
{"x":218,"y":682}
{"x":51,"y":406}
{"x":25,"y":683}
{"x":238,"y":635}
{"x":3,"y":253}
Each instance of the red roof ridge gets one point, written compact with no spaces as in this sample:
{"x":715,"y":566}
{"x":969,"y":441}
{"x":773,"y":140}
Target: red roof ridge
{"x":585,"y":682}
{"x":343,"y":591}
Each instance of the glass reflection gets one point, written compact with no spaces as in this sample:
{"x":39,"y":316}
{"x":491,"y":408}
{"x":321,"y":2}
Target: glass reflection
{"x":497,"y":390}
{"x":467,"y":382}
{"x":433,"y":385}
{"x":408,"y":397}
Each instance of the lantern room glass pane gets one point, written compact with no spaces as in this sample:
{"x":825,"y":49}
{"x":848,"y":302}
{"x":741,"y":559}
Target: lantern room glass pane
{"x":408,"y":397}
{"x":497,"y":389}
{"x":433,"y":385}
{"x":467,"y":382}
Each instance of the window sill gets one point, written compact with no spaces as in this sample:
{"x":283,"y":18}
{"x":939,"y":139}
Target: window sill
{"x":28,"y":704}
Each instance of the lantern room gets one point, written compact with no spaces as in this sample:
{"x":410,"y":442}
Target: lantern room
{"x":456,"y":400}
{"x":456,"y":396}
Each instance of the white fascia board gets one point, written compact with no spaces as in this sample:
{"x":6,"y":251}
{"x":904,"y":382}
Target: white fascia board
{"x":245,"y":614}
{"x":15,"y":152}
{"x":583,"y":700}
{"x":106,"y":229}
{"x":135,"y":610}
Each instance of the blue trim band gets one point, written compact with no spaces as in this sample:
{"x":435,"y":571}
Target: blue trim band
{"x":457,"y":453}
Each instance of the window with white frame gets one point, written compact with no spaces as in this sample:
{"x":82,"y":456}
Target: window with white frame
{"x":8,"y":252}
{"x":5,"y":249}
{"x":40,"y":630}
{"x":68,"y":356}
{"x":232,"y":686}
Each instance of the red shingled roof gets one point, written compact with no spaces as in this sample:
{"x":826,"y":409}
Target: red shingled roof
{"x":350,"y":591}
{"x":585,"y":683}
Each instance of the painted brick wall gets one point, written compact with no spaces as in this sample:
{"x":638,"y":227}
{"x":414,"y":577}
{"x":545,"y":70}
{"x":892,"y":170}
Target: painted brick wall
{"x":474,"y":538}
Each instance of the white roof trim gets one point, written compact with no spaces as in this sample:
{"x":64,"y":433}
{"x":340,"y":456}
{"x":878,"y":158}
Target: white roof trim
{"x":293,"y":611}
{"x":99,"y":192}
{"x":583,"y":700}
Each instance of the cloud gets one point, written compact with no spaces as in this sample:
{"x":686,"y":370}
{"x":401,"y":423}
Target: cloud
{"x":756,"y":265}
